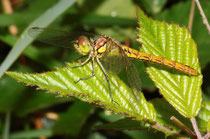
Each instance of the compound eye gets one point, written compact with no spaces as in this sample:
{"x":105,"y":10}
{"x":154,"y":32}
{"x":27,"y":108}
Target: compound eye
{"x":76,"y":44}
{"x":82,"y":45}
{"x":82,"y":41}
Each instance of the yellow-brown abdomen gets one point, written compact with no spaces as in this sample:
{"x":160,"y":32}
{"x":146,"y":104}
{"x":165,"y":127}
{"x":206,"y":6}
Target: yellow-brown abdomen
{"x":132,"y":53}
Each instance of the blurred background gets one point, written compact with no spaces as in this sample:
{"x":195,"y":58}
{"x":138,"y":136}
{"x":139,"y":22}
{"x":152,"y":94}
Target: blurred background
{"x":31,"y":113}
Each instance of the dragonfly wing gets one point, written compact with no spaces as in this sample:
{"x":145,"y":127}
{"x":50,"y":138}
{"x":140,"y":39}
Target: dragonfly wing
{"x":116,"y":59}
{"x":55,"y":37}
{"x":113,"y":62}
{"x":133,"y":77}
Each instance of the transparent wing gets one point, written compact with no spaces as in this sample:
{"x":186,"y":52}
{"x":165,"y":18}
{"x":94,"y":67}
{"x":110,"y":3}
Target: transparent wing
{"x":55,"y":37}
{"x":133,"y":77}
{"x":112,"y":60}
{"x":116,"y":59}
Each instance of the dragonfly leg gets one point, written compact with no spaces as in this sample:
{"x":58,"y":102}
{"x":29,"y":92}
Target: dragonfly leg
{"x":79,"y":58}
{"x":93,"y":72}
{"x":83,"y":63}
{"x":107,"y":79}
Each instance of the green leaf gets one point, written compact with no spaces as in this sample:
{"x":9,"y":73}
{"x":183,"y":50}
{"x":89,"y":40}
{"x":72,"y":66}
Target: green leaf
{"x":99,"y":20}
{"x":33,"y":53}
{"x":112,"y":8}
{"x":144,"y":134}
{"x":199,"y":31}
{"x":92,"y":90}
{"x":152,"y":6}
{"x":38,"y":100}
{"x":124,"y":124}
{"x":107,"y":116}
{"x":164,"y":113}
{"x":173,"y":42}
{"x":27,"y":14}
{"x":96,"y":135}
{"x":44,"y":20}
{"x":204,"y":117}
{"x":31,"y":134}
{"x":72,"y":121}
{"x":13,"y":94}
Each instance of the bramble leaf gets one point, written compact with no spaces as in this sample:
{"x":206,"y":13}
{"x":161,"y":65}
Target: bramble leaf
{"x":173,"y":42}
{"x":92,"y":90}
{"x":203,"y":117}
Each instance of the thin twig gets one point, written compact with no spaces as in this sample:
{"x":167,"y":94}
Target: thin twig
{"x":8,"y":10}
{"x":195,"y":127}
{"x":207,"y":136}
{"x":163,"y":128}
{"x":183,"y":127}
{"x":205,"y":21}
{"x":192,"y":11}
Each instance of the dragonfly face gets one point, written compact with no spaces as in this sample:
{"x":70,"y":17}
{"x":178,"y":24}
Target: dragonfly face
{"x":82,"y":45}
{"x":96,"y":47}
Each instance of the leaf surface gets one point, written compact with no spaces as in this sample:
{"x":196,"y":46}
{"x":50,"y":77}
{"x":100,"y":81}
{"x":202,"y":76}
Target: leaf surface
{"x":92,"y":90}
{"x":175,"y":43}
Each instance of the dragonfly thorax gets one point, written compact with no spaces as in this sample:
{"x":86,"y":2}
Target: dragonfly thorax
{"x":100,"y":46}
{"x":82,"y":45}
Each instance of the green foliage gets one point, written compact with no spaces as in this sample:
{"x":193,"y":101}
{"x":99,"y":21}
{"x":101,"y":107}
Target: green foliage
{"x":93,"y":90}
{"x":38,"y":100}
{"x":34,"y":53}
{"x":152,"y":6}
{"x":33,"y":100}
{"x":8,"y":94}
{"x":31,"y":134}
{"x":24,"y":40}
{"x":204,"y":116}
{"x":22,"y":17}
{"x":125,"y":124}
{"x":72,"y":121}
{"x":164,"y":113}
{"x":118,"y":21}
{"x":175,"y":43}
{"x":199,"y":32}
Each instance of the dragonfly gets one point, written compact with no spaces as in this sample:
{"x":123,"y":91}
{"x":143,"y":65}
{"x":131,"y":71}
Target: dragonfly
{"x":109,"y":54}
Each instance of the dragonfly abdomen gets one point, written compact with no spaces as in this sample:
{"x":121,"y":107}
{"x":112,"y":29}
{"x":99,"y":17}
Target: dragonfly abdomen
{"x":132,"y":53}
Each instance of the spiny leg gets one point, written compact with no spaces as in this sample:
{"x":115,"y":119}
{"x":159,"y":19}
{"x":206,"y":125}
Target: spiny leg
{"x":79,"y":58}
{"x":83,"y":63}
{"x":107,"y":79}
{"x":93,"y":72}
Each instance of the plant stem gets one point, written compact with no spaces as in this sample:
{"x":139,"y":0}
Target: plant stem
{"x":197,"y":132}
{"x":207,"y":136}
{"x":192,"y":11}
{"x":183,"y":127}
{"x":164,"y":129}
{"x":7,"y":125}
{"x":205,"y":21}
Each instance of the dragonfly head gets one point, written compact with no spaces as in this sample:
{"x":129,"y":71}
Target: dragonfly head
{"x":82,"y":45}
